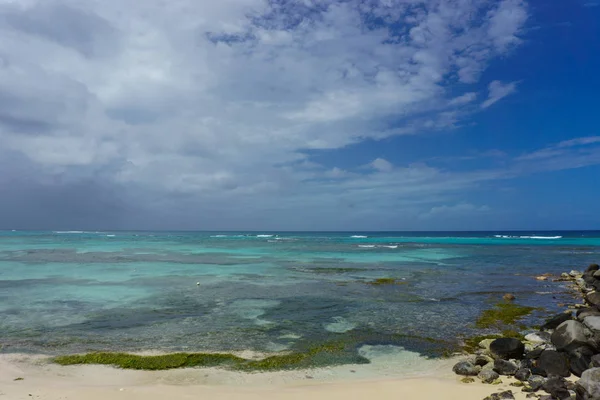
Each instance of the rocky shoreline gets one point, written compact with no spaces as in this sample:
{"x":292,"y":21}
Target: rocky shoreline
{"x":546,"y":363}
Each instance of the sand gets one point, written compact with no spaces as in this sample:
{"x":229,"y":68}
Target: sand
{"x":43,"y":380}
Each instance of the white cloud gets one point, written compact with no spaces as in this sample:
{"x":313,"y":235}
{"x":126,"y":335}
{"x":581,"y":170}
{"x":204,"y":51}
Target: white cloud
{"x":497,"y":91}
{"x":382,"y":164}
{"x":463,"y":99}
{"x":569,"y":154}
{"x":208,"y":101}
{"x":581,"y":141}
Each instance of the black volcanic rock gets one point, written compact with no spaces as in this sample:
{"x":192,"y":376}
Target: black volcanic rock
{"x":504,"y":367}
{"x":554,"y":363}
{"x":523,"y":374}
{"x":594,"y":299}
{"x":580,"y":359}
{"x":465,"y":368}
{"x":507,"y":348}
{"x":587,"y":312}
{"x":555,"y":321}
{"x":557,"y":387}
{"x":593,"y":268}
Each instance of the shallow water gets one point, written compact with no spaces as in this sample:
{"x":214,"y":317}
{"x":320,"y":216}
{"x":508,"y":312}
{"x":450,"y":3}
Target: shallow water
{"x":64,"y":292}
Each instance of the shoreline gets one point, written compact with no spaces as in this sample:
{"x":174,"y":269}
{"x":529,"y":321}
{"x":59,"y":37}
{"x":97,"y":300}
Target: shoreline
{"x":43,"y":380}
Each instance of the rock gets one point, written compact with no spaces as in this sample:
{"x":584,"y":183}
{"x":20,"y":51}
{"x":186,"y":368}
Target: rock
{"x":467,"y":379}
{"x":554,"y":363}
{"x":575,"y":274}
{"x":482,"y":360}
{"x":595,"y":363}
{"x":504,"y":367}
{"x":570,"y":335}
{"x":466,"y":368}
{"x":580,"y":359}
{"x":485,"y":344}
{"x":538,"y":337}
{"x":592,"y":322}
{"x":536,"y":382}
{"x":534,"y":354}
{"x":488,"y":376}
{"x":557,"y":387}
{"x":588,"y":277}
{"x":523,"y":374}
{"x":582,"y":313}
{"x":593,"y":299}
{"x":592,"y":267}
{"x":596,"y":274}
{"x":541,"y":278}
{"x":580,"y":282}
{"x":507,"y":348}
{"x":506,"y":395}
{"x":531,"y":395}
{"x":509,"y":297}
{"x":588,"y":387}
{"x":554,"y":322}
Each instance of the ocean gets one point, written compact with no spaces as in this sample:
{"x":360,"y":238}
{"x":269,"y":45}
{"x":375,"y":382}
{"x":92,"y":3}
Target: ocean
{"x":271,"y":292}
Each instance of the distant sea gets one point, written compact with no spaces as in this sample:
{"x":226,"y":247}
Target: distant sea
{"x":73,"y":291}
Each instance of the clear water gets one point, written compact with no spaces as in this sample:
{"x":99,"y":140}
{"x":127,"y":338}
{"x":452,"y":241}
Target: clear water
{"x":64,"y":292}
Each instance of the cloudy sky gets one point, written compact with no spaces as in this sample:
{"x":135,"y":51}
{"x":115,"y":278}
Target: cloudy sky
{"x":299,"y":114}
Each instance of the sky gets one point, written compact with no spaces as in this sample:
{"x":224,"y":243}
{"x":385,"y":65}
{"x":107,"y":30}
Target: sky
{"x":300,"y":114}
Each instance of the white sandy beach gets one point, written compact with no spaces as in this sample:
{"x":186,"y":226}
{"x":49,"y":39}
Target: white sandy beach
{"x":42,"y":380}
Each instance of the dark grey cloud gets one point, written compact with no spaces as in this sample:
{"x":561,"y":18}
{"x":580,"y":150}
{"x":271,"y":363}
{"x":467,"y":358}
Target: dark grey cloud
{"x":68,"y":26}
{"x":202,"y":114}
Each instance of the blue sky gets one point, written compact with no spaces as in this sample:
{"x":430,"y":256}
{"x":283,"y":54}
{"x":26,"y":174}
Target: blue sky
{"x":300,"y":115}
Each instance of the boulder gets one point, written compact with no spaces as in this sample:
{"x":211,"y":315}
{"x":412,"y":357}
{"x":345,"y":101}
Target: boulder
{"x":509,"y":297}
{"x":507,"y":348}
{"x":582,"y":313}
{"x":554,"y":363}
{"x":523,"y":374}
{"x":488,"y":376}
{"x":570,"y":335}
{"x":588,"y":277}
{"x":506,"y":395}
{"x":536,"y":382}
{"x":504,"y":367}
{"x":580,"y":282}
{"x":538,"y":337}
{"x":482,"y":360}
{"x":580,"y":359}
{"x":465,"y":368}
{"x":575,"y":273}
{"x":588,"y":387}
{"x":592,"y":322}
{"x":592,"y":268}
{"x":535,"y":353}
{"x":554,"y":322}
{"x":595,"y":363}
{"x":557,"y":387}
{"x":593,"y":299}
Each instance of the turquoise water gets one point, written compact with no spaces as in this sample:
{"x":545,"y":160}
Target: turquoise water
{"x":64,"y":292}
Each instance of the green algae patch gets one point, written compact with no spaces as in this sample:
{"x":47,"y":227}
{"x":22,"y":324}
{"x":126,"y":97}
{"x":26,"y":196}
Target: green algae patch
{"x":324,"y":354}
{"x":386,"y":281}
{"x":502,"y":314}
{"x":152,"y":363}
